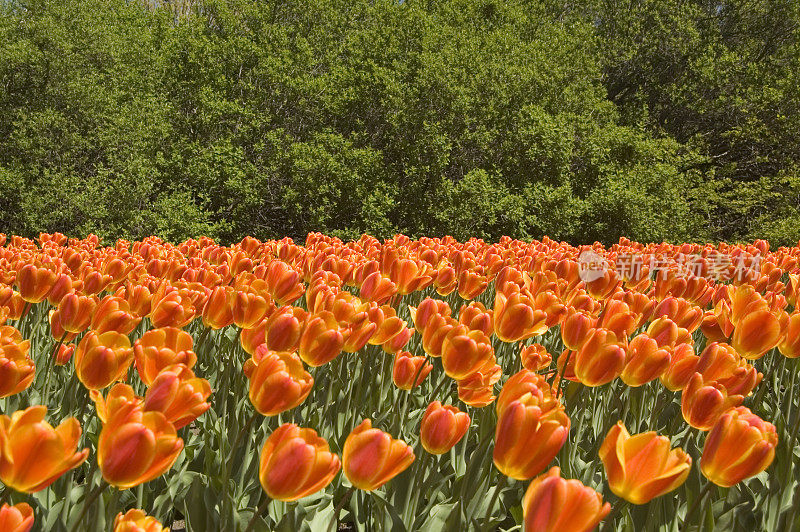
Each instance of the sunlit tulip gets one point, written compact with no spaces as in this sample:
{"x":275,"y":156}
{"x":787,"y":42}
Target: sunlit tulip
{"x":278,"y":381}
{"x":756,"y":333}
{"x":372,"y":457}
{"x":721,"y":363}
{"x":250,"y":339}
{"x":477,"y":390}
{"x":172,"y":310}
{"x":17,"y":518}
{"x":135,"y":447}
{"x":601,"y":359}
{"x":322,"y":339}
{"x":34,"y":283}
{"x":101,"y":359}
{"x":442,"y":427}
{"x":436,"y":331}
{"x":249,"y":309}
{"x":34,"y":454}
{"x":681,"y":368}
{"x":159,"y":348}
{"x":642,"y":467}
{"x":575,"y":328}
{"x":645,"y":361}
{"x":790,"y":345}
{"x":17,"y":370}
{"x":75,"y":312}
{"x":464,"y":352}
{"x":702,"y":403}
{"x":64,"y":354}
{"x":137,"y":521}
{"x":475,"y":316}
{"x":515,"y":317}
{"x":378,"y":288}
{"x":284,"y":328}
{"x":218,"y":309}
{"x":739,"y":446}
{"x":283,"y":283}
{"x":428,"y":308}
{"x":554,"y":504}
{"x":406,"y":367}
{"x":114,"y":314}
{"x":178,"y":394}
{"x":528,"y":437}
{"x":295,"y":463}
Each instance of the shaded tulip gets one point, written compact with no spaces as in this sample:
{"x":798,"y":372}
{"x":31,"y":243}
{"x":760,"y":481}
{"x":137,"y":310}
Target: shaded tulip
{"x":278,"y":381}
{"x":34,"y":454}
{"x":64,"y":354}
{"x":406,"y":367}
{"x":135,"y":447}
{"x":535,"y":357}
{"x":101,"y":359}
{"x":528,"y":437}
{"x":790,"y":345}
{"x":642,"y":467}
{"x":554,"y":504}
{"x":702,"y":403}
{"x":295,"y":463}
{"x":372,"y":457}
{"x":645,"y":361}
{"x":321,"y":340}
{"x":739,"y":446}
{"x":137,"y":521}
{"x":601,"y":359}
{"x":250,"y":339}
{"x":475,"y":316}
{"x":159,"y":348}
{"x":17,"y":518}
{"x":434,"y":335}
{"x":442,"y":427}
{"x":178,"y":394}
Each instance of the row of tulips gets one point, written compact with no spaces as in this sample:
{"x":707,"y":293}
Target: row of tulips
{"x":226,"y":387}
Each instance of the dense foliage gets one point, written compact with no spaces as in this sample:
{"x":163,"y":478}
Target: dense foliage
{"x":582,"y":120}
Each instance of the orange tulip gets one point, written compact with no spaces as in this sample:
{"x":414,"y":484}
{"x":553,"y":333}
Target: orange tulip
{"x":101,"y":359}
{"x":172,"y":310}
{"x":739,"y":446}
{"x":178,"y":394}
{"x":644,"y":361}
{"x":159,"y":348}
{"x":17,"y":518}
{"x":34,"y":283}
{"x":576,"y":328}
{"x":475,"y":316}
{"x":477,"y":390}
{"x":436,"y":330}
{"x":528,"y":436}
{"x":406,"y":367}
{"x":218,"y":309}
{"x":249,"y":309}
{"x":136,"y":446}
{"x":554,"y":504}
{"x":17,"y":370}
{"x":601,"y":359}
{"x":535,"y":357}
{"x":721,"y":363}
{"x":34,"y":454}
{"x":642,"y":467}
{"x":465,"y":352}
{"x":64,"y":354}
{"x":442,"y":427}
{"x":756,"y":333}
{"x":250,"y":339}
{"x":378,"y":288}
{"x":296,"y":463}
{"x":515,"y":317}
{"x":428,"y":308}
{"x":702,"y":403}
{"x":681,"y":368}
{"x":283,"y":283}
{"x":137,"y":521}
{"x":524,"y":382}
{"x":114,"y":314}
{"x":790,"y":345}
{"x":75,"y":312}
{"x":284,"y":328}
{"x":372,"y":457}
{"x":278,"y":381}
{"x":321,"y":340}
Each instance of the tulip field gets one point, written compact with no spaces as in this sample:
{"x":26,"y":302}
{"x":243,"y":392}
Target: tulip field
{"x":398,"y":385}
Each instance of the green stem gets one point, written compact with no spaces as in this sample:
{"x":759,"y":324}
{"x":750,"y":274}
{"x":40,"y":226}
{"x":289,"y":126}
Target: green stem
{"x":88,"y":504}
{"x":260,"y":510}
{"x":695,"y":505}
{"x":335,"y":520}
{"x":498,"y":488}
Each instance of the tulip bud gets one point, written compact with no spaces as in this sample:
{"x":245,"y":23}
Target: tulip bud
{"x":442,"y":427}
{"x":553,"y":504}
{"x":17,"y":518}
{"x":28,"y":439}
{"x":642,"y":467}
{"x":64,"y":354}
{"x":101,"y":359}
{"x":137,"y":521}
{"x":739,"y":446}
{"x":296,"y":463}
{"x":278,"y":381}
{"x":372,"y":457}
{"x":407,"y":367}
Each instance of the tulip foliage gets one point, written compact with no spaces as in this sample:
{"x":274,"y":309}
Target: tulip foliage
{"x":399,"y":385}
